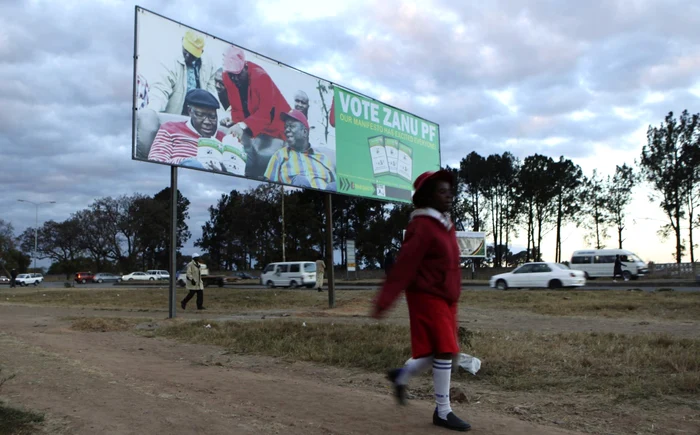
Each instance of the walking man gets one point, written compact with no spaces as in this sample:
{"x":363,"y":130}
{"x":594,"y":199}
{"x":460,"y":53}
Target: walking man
{"x":617,"y":271}
{"x":193,"y":283}
{"x":13,"y":278}
{"x":320,"y":271}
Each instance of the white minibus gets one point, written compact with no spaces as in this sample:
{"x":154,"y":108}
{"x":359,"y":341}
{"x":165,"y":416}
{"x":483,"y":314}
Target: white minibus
{"x":290,"y":274}
{"x":596,"y":263}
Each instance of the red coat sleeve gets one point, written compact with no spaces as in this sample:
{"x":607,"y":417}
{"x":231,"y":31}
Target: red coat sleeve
{"x":331,"y":116}
{"x":405,"y":269}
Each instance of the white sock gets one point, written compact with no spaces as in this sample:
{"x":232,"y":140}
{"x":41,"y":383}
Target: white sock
{"x":412,"y":368}
{"x":442,"y":369}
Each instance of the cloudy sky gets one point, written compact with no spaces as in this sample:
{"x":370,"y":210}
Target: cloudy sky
{"x":579,"y":79}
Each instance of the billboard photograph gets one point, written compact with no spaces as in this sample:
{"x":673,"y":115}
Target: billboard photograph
{"x":207,"y":104}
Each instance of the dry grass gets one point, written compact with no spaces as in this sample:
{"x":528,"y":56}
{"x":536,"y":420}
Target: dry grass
{"x":610,"y":303}
{"x":15,"y":421}
{"x":18,"y":422}
{"x":218,"y":299}
{"x":104,"y":324}
{"x":626,"y":367}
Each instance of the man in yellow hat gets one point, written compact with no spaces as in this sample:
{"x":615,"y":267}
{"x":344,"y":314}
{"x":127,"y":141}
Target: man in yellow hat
{"x":186,"y":73}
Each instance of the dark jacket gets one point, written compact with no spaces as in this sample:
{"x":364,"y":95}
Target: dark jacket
{"x":618,"y":267}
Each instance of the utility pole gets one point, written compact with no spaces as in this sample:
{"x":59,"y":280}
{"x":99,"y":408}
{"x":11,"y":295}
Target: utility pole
{"x":36,"y":224}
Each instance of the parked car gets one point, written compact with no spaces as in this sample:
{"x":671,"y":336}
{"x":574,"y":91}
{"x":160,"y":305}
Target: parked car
{"x":159,"y":274}
{"x":290,"y":274}
{"x":25,"y":279}
{"x":106,"y":277}
{"x":547,"y":275}
{"x":4,"y":279}
{"x":243,"y":275}
{"x":84,"y":277}
{"x":138,"y":276}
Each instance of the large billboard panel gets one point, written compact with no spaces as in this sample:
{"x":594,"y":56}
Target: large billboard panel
{"x":204,"y":103}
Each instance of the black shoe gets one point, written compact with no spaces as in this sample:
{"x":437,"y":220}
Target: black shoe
{"x":399,"y":390}
{"x":452,"y":422}
{"x":201,"y":308}
{"x":182,"y":304}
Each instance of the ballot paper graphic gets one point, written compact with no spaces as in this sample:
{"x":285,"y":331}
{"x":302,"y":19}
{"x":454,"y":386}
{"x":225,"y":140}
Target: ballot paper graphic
{"x":380,"y":165}
{"x":391,"y":157}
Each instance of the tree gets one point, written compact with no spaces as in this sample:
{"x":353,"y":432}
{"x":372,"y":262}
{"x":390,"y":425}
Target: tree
{"x":663,"y":167}
{"x":472,"y":172}
{"x":567,"y":178}
{"x":595,"y":208}
{"x":7,"y":239}
{"x":459,"y":205}
{"x":537,"y":195}
{"x":57,"y":241}
{"x":499,"y":190}
{"x":93,"y":236}
{"x":690,"y":161}
{"x":10,"y":256}
{"x":619,"y":195}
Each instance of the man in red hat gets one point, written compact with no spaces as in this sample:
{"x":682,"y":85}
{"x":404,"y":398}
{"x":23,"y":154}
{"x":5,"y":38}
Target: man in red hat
{"x":298,"y":164}
{"x":256,"y":103}
{"x":427,"y":268}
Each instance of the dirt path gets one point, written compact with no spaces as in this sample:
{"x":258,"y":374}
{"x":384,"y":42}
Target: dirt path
{"x":120,"y":383}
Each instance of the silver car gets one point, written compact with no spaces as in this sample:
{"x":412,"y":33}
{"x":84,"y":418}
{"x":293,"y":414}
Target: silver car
{"x":106,"y":277}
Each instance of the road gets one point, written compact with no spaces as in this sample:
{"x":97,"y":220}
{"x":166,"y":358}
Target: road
{"x":595,"y":286}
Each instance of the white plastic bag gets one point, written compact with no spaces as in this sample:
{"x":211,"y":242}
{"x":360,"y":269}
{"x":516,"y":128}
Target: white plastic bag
{"x":469,"y":363}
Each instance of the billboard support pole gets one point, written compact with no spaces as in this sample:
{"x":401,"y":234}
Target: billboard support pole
{"x":172,"y":295}
{"x":329,"y":250}
{"x":284,"y":235}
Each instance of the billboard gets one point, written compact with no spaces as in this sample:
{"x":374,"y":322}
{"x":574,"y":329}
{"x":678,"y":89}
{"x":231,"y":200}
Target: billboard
{"x":471,"y":244}
{"x":203,"y":103}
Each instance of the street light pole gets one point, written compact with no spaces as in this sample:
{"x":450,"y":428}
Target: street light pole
{"x":36,"y":224}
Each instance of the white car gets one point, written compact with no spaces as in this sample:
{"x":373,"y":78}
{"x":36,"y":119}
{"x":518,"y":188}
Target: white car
{"x":29,"y":279}
{"x":139,"y":276}
{"x":4,"y":279}
{"x":547,"y":275}
{"x":159,"y":274}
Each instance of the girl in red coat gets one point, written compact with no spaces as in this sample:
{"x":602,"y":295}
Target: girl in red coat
{"x":427,"y":268}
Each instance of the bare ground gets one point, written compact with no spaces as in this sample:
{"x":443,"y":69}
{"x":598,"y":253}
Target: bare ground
{"x":122,"y":383}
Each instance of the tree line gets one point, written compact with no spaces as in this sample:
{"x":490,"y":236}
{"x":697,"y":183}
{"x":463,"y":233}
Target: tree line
{"x":498,"y":194}
{"x":110,"y":235}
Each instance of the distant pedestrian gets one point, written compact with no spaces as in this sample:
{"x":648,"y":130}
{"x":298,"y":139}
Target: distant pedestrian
{"x":618,"y":269}
{"x":193,"y":283}
{"x":320,"y":272}
{"x":388,"y":262}
{"x":13,"y":278}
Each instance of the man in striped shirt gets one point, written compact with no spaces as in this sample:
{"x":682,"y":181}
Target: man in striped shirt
{"x":297,"y":164}
{"x":177,"y":141}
